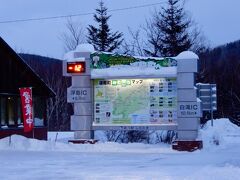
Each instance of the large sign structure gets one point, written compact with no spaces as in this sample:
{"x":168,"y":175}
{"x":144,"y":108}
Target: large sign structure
{"x":133,"y":92}
{"x":126,"y":92}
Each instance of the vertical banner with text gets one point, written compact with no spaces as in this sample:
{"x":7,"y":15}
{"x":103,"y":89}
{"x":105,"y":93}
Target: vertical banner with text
{"x":27,"y":109}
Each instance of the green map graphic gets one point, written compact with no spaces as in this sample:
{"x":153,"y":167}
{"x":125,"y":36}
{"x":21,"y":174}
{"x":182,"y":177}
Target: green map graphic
{"x":134,"y":101}
{"x":130,"y":101}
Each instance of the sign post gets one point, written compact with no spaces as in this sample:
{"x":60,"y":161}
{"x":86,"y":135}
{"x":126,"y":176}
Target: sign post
{"x":208,"y":95}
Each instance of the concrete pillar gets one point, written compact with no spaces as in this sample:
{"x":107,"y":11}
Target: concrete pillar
{"x":81,"y":95}
{"x":189,"y":110}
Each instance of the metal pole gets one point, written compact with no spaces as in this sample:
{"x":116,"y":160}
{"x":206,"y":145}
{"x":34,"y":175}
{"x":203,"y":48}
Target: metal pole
{"x":211,"y":117}
{"x":211,"y":105}
{"x":33,"y":132}
{"x":10,"y":140}
{"x":56,"y":137}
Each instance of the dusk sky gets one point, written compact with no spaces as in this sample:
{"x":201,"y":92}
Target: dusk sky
{"x":218,"y":19}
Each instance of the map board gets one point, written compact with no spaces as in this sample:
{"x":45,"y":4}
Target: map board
{"x":135,"y":101}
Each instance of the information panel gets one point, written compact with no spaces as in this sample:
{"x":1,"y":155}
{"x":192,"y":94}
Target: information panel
{"x":135,"y":101}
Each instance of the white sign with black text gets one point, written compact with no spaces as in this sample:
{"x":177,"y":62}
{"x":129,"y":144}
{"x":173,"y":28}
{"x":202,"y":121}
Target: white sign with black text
{"x":78,"y":94}
{"x":189,"y":109}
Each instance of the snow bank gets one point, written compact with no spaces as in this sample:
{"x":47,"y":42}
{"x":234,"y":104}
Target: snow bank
{"x":16,"y":142}
{"x":130,"y":71}
{"x":60,"y":136}
{"x":20,"y":143}
{"x":222,"y":133}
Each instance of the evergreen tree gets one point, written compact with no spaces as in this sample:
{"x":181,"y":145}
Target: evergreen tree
{"x":101,"y":37}
{"x":172,"y":27}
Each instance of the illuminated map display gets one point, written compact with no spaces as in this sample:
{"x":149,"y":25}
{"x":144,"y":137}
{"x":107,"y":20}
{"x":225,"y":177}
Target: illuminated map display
{"x":135,"y":101}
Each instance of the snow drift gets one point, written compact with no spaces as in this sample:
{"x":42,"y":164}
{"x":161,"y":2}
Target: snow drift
{"x":220,"y":135}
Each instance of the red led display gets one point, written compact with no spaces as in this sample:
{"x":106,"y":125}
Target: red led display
{"x":76,"y":67}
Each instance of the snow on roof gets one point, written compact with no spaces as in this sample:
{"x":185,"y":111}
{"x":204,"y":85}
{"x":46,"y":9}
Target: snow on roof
{"x":85,"y":48}
{"x":72,"y":55}
{"x":202,"y":83}
{"x":187,"y":55}
{"x":125,"y":71}
{"x":68,"y":55}
{"x":146,"y":57}
{"x":81,"y":59}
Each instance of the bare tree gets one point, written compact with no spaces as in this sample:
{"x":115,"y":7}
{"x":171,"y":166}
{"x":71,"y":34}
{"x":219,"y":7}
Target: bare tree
{"x":74,"y":36}
{"x":200,"y":43}
{"x":165,"y":136}
{"x":153,"y":34}
{"x":135,"y":45}
{"x":57,"y":106}
{"x":128,"y":136}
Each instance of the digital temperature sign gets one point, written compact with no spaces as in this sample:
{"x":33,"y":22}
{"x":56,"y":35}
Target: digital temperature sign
{"x":76,"y":67}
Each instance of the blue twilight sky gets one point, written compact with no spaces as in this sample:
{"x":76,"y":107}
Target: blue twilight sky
{"x":218,"y":19}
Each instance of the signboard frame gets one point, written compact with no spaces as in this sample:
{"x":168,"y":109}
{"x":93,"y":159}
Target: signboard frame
{"x":142,"y":127}
{"x":162,"y":126}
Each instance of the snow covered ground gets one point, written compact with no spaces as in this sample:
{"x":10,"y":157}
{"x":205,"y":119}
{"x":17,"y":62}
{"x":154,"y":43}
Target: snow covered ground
{"x":32,"y":159}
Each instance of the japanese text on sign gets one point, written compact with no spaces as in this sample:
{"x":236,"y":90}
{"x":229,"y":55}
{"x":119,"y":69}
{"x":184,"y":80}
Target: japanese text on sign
{"x":26,"y":99}
{"x":189,"y":109}
{"x":78,"y":94}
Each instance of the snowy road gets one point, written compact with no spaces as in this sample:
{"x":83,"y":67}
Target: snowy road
{"x":32,"y":159}
{"x":117,"y":165}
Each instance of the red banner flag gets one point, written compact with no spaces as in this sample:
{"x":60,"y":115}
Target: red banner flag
{"x":27,"y":109}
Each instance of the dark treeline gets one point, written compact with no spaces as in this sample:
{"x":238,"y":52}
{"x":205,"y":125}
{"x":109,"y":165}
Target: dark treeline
{"x":221,"y":65}
{"x":50,"y":70}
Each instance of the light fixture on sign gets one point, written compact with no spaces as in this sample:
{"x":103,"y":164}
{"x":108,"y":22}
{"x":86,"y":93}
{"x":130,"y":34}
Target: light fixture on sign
{"x":76,"y":67}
